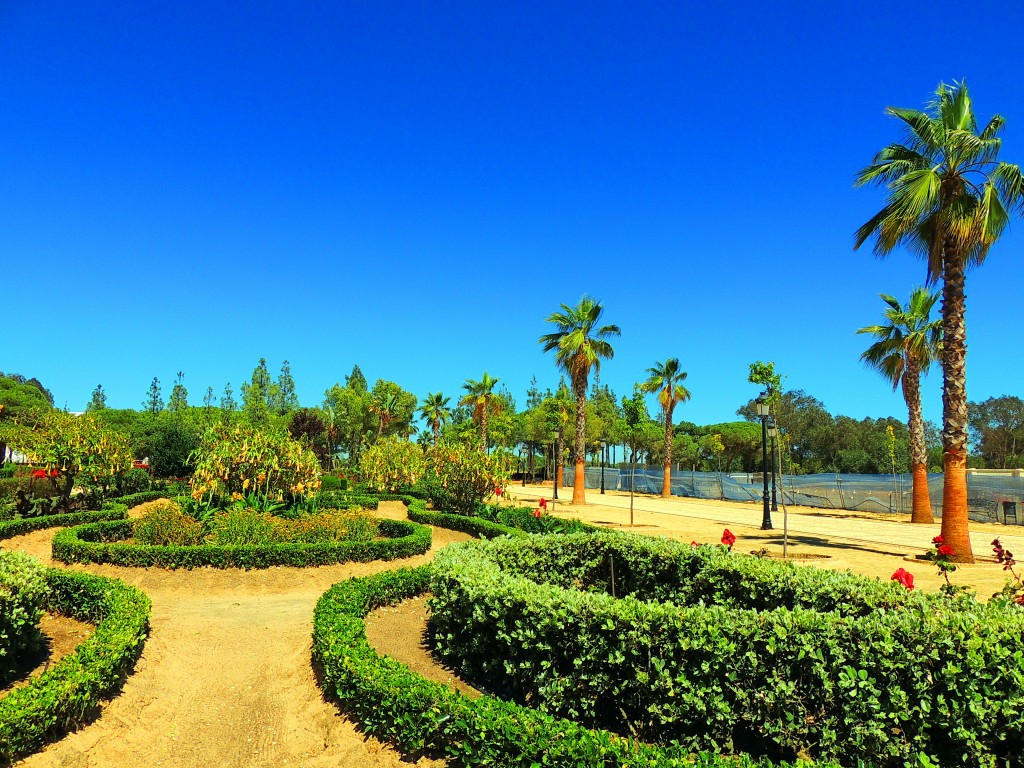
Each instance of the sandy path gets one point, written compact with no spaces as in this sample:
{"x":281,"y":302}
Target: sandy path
{"x":225,"y":678}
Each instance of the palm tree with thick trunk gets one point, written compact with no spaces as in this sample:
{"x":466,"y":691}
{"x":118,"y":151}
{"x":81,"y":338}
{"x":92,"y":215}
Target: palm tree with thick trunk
{"x":666,"y":380}
{"x":579,"y":345}
{"x":435,"y":412}
{"x":904,"y":348}
{"x":479,"y":394}
{"x":949,"y":199}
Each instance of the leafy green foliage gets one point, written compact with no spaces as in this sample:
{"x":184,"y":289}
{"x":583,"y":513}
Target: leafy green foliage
{"x":23,"y":592}
{"x":460,"y":476}
{"x":167,"y":524}
{"x":68,"y":693}
{"x":392,"y":464}
{"x":728,"y":653}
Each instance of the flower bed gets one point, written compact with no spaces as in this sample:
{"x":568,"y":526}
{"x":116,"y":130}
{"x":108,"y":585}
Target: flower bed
{"x":112,"y":509}
{"x":105,"y":543}
{"x":730,"y":653}
{"x":68,"y":693}
{"x":421,"y":717}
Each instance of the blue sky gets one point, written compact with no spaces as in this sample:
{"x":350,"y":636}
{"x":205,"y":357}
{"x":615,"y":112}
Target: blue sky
{"x":415,"y":187}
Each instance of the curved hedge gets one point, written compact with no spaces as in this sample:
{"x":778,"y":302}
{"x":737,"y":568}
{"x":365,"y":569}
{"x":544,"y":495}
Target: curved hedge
{"x":103,"y":543}
{"x":112,"y":509}
{"x":67,"y":694}
{"x":421,"y":717}
{"x":754,"y":656}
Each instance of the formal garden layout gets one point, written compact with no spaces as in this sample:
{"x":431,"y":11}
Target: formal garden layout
{"x":548,"y":641}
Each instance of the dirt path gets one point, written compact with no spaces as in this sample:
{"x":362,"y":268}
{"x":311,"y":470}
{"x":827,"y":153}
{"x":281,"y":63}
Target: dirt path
{"x":225,"y":678}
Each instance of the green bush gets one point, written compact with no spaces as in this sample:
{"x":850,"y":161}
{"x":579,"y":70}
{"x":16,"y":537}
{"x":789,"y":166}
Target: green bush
{"x":460,"y":476}
{"x":68,"y":693}
{"x":755,"y":656}
{"x":392,"y":464}
{"x":167,"y":524}
{"x":421,"y":717}
{"x":105,"y":543}
{"x":23,"y":594}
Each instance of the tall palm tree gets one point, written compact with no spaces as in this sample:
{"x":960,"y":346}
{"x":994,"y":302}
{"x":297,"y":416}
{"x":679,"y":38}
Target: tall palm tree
{"x":904,"y":348}
{"x":949,"y":200}
{"x":666,"y":380}
{"x":480,"y":394}
{"x":436,"y":412}
{"x":580,"y":345}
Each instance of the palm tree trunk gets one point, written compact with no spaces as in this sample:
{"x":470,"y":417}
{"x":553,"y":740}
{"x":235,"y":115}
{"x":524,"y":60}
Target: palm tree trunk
{"x":483,"y":424}
{"x":666,"y":480}
{"x":921,"y":504}
{"x":954,"y":408}
{"x":435,"y":426}
{"x":579,"y":494}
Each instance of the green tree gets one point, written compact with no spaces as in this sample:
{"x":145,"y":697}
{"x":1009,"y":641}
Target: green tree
{"x":949,"y":199}
{"x":228,"y":404}
{"x":580,"y":344}
{"x":904,"y":348}
{"x":154,"y":402}
{"x":393,"y":407}
{"x":258,"y":395}
{"x":286,"y":400}
{"x":997,"y":428}
{"x":634,"y":415}
{"x":353,"y":420}
{"x":22,"y":403}
{"x":479,"y":396}
{"x":98,"y":401}
{"x":179,"y":395}
{"x":436,"y":413}
{"x":666,"y":381}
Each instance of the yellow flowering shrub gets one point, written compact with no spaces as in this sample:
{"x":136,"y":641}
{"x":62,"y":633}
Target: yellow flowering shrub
{"x":392,"y":464}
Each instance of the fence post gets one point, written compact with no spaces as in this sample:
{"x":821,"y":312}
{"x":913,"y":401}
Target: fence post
{"x":842,"y":496}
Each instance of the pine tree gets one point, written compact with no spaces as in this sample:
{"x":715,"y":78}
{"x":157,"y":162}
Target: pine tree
{"x":208,"y":398}
{"x":179,"y":395}
{"x":154,"y":402}
{"x":356,"y":380}
{"x":286,"y":400}
{"x":227,"y":401}
{"x":258,"y":394}
{"x":99,"y":399}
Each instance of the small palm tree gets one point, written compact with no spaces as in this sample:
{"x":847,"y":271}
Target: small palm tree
{"x":479,"y":394}
{"x":436,"y":412}
{"x":904,"y":348}
{"x":666,"y":380}
{"x":949,"y":199}
{"x":579,"y":345}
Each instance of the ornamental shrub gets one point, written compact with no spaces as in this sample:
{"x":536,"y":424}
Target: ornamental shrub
{"x":717,"y":651}
{"x":238,"y":460}
{"x":167,"y":524}
{"x":460,"y":476}
{"x":392,"y":464}
{"x":23,"y":593}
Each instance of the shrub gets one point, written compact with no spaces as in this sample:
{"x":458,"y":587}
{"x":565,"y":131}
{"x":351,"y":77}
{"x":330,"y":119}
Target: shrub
{"x":753,"y":656}
{"x":68,"y":693}
{"x":23,"y":593}
{"x":460,"y":475}
{"x":392,"y":464}
{"x":242,"y":526}
{"x":233,"y":461}
{"x":135,"y":480}
{"x":167,"y":524}
{"x":331,"y":525}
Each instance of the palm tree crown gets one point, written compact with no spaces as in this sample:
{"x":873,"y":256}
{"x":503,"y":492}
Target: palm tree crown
{"x":580,"y":344}
{"x":435,"y":412}
{"x":909,"y":337}
{"x":479,"y":394}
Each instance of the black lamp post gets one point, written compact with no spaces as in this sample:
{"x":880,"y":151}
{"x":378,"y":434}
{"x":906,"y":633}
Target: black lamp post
{"x":773,"y":432}
{"x":604,"y":458}
{"x":763,"y":410}
{"x":555,"y":462}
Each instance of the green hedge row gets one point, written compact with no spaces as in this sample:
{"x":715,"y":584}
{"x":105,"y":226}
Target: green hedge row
{"x":112,"y":509}
{"x":421,"y":717}
{"x":23,"y":590}
{"x":733,"y":671}
{"x":68,"y":693}
{"x":104,"y":543}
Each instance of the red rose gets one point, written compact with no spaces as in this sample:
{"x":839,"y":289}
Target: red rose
{"x":728,"y":538}
{"x":694,"y":544}
{"x":497,"y":491}
{"x":904,"y":578}
{"x":946,"y":550}
{"x":937,"y":539}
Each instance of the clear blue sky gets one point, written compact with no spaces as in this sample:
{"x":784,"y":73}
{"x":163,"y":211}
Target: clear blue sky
{"x":414,"y":187}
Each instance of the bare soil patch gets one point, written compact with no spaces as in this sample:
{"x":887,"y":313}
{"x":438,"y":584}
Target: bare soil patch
{"x":62,"y":635}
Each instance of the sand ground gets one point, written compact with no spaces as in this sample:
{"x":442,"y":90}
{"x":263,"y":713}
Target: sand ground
{"x":225,"y":677}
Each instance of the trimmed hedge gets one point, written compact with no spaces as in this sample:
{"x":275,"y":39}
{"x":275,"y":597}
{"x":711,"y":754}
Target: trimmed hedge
{"x":748,"y":661}
{"x":67,"y":694}
{"x":104,"y":543}
{"x":421,"y":717}
{"x":112,"y":509}
{"x":22,"y":597}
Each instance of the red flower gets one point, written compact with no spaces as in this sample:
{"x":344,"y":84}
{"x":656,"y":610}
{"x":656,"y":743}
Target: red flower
{"x":497,"y":491}
{"x":543,"y":504}
{"x":946,"y":550}
{"x":937,"y":539}
{"x":694,"y":544}
{"x":728,"y":538}
{"x":38,"y":473}
{"x":537,"y":512}
{"x":904,"y":578}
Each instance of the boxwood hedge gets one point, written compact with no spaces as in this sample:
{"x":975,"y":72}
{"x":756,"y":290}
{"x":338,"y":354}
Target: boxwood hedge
{"x":112,"y":509}
{"x":732,"y":653}
{"x":421,"y":717}
{"x":104,"y":543}
{"x":68,"y":693}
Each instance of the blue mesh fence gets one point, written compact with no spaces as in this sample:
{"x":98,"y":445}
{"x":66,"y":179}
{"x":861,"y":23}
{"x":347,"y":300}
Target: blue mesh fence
{"x":990,"y":497}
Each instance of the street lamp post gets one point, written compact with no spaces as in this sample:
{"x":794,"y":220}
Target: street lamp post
{"x":555,"y":463}
{"x":604,"y":458}
{"x":530,"y":452}
{"x":773,"y":432}
{"x":763,"y":409}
